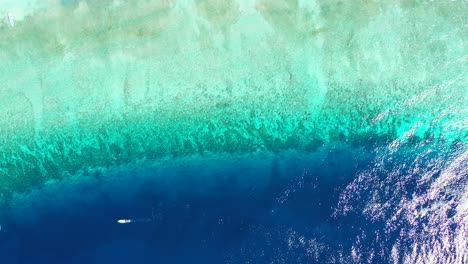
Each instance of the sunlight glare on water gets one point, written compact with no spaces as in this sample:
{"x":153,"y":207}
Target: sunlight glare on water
{"x":237,"y":131}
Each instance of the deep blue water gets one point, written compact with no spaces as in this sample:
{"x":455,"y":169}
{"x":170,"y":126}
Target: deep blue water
{"x":252,"y":209}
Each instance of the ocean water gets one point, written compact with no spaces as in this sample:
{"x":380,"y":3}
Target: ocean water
{"x":233,"y":131}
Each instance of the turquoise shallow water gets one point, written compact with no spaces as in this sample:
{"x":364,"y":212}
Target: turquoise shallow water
{"x":262,"y":131}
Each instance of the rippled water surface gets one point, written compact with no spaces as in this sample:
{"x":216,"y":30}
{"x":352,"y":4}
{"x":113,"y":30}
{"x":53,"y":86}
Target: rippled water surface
{"x":235,"y":131}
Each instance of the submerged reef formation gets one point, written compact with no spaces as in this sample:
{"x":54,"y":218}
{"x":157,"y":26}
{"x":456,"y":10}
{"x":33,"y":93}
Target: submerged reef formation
{"x":298,"y":119}
{"x":100,"y":83}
